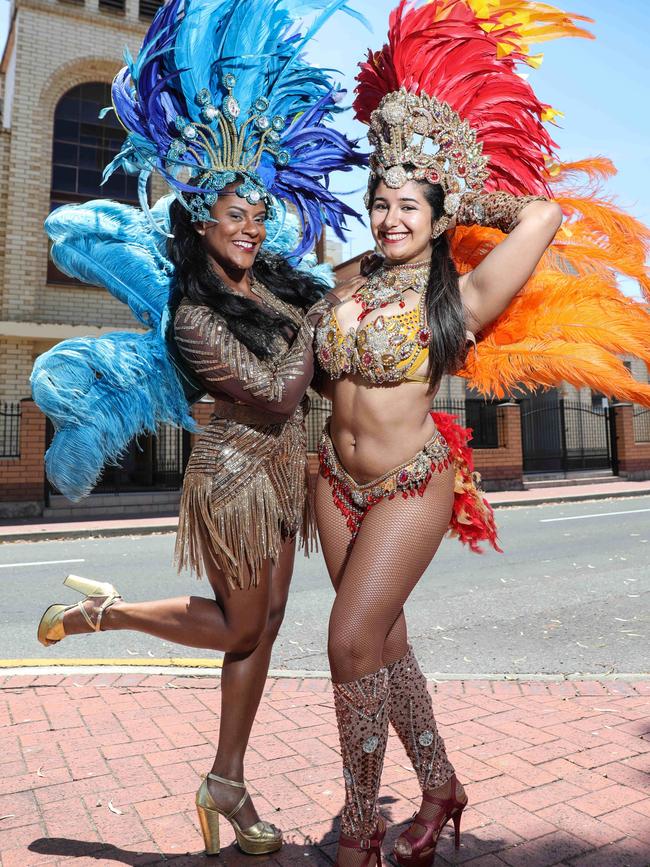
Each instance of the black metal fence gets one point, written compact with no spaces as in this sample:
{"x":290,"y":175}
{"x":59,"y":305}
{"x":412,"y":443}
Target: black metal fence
{"x":641,"y":420}
{"x":9,"y":430}
{"x":171,"y":449}
{"x":564,"y":435}
{"x":480,"y":415}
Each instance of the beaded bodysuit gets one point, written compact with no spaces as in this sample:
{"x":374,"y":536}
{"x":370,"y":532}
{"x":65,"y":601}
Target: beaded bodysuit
{"x":245,"y":486}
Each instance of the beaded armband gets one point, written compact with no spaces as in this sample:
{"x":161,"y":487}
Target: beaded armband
{"x":497,"y":210}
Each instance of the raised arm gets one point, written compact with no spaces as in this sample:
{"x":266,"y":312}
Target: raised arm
{"x":226,"y":366}
{"x":531,"y":223}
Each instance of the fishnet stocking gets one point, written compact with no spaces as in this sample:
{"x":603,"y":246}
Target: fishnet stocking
{"x":373,"y":578}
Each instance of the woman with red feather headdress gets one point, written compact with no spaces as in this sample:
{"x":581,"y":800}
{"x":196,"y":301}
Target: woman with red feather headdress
{"x":459,"y":143}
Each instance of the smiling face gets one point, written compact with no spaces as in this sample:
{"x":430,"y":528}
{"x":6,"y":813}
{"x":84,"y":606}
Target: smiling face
{"x":400,"y":221}
{"x":234,"y":241}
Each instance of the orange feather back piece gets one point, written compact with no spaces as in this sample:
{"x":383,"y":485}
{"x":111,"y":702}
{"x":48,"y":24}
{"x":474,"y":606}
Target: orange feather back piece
{"x":571,"y":320}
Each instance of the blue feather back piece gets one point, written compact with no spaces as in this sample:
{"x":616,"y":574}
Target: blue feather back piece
{"x":100,"y":393}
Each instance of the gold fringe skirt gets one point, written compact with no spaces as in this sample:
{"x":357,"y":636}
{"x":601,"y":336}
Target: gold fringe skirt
{"x":245,"y":491}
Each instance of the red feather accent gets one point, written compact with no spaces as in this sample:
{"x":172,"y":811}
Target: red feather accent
{"x":472,"y":519}
{"x":441,"y":49}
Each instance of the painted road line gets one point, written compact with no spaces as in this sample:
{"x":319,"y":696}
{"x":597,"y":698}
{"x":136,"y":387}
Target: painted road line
{"x":169,"y":662}
{"x":38,"y":563}
{"x":597,"y":515}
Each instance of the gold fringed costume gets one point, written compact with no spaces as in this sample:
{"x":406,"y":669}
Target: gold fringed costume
{"x":245,"y":489}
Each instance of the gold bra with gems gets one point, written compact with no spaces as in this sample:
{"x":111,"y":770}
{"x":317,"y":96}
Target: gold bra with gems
{"x":388,"y":349}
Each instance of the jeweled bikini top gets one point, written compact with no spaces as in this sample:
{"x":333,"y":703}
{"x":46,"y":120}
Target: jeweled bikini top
{"x":387,"y":349}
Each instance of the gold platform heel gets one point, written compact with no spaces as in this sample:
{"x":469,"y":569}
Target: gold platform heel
{"x":51,"y":629}
{"x":260,"y":839}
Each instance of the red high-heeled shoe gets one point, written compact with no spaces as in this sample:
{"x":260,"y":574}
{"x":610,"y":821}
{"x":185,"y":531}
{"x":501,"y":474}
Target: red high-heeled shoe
{"x":423,"y":849}
{"x":370,"y":847}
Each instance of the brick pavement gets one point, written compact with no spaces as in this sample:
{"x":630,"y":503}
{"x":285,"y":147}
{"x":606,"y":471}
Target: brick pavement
{"x":101,"y":769}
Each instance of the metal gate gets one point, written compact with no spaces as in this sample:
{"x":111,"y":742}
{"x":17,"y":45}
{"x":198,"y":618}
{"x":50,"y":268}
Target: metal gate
{"x":562,"y":436}
{"x":149,"y":464}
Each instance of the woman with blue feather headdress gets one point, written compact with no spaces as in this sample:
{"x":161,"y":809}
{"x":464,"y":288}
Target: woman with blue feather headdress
{"x":222,"y":104}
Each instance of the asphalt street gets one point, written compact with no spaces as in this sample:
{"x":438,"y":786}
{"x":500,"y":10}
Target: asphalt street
{"x":570,"y":594}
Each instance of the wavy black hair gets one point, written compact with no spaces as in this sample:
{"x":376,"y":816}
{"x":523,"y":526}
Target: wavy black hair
{"x":249,"y":323}
{"x":445,"y":311}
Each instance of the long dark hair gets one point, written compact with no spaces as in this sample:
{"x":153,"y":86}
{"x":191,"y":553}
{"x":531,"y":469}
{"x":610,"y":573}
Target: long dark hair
{"x":248,"y":322}
{"x":445,"y":312}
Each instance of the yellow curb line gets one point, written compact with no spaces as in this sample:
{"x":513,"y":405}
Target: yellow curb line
{"x":168,"y":662}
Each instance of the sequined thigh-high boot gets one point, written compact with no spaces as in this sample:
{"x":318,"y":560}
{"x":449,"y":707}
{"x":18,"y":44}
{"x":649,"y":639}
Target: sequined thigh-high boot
{"x":362,"y":717}
{"x":411,"y":715}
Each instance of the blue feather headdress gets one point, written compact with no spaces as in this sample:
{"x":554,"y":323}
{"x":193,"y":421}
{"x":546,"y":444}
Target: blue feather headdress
{"x":221,"y":93}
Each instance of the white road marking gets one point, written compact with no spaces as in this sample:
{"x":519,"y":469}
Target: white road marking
{"x":597,"y":515}
{"x":38,"y":563}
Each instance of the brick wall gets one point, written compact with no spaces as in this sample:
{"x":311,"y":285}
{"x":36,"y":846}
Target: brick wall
{"x":22,"y":479}
{"x":201,"y":413}
{"x":16,"y":359}
{"x":58,"y":46}
{"x":4,"y":192}
{"x":633,"y":456}
{"x":502,"y":468}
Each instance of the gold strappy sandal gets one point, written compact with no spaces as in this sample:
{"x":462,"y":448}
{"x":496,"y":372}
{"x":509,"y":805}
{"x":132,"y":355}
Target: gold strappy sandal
{"x":51,"y":629}
{"x":260,"y":839}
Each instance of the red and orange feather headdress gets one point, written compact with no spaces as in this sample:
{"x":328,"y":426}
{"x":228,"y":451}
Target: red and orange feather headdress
{"x":571,"y":322}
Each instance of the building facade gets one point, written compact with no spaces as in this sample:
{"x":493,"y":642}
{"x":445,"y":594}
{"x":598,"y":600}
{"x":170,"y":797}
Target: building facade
{"x":57,"y":66}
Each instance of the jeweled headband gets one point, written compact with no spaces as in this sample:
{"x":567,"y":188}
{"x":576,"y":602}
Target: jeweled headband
{"x":446,"y":103}
{"x":421,"y":138}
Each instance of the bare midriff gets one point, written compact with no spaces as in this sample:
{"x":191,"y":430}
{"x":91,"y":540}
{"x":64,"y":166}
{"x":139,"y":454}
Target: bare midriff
{"x":377,"y":427}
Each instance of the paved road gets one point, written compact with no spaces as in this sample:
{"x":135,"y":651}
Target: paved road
{"x":569,"y":595}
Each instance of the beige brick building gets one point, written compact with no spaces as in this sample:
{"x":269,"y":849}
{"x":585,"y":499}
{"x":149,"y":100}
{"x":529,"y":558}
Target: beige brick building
{"x":59,"y":59}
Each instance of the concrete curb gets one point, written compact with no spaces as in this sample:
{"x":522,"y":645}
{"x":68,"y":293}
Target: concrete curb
{"x":53,"y":534}
{"x":99,"y":532}
{"x":303,"y":674}
{"x":569,"y":498}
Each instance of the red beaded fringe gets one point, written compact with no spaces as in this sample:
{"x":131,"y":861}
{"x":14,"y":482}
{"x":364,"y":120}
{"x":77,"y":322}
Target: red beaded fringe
{"x":472,"y":519}
{"x":354,"y":514}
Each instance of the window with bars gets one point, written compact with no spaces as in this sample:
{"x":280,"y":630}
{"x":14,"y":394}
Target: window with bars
{"x":82,"y":145}
{"x":112,"y":6}
{"x":148,"y":8}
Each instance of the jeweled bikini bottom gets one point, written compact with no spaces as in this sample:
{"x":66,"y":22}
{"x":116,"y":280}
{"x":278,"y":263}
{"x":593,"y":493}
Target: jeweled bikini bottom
{"x":354,"y":500}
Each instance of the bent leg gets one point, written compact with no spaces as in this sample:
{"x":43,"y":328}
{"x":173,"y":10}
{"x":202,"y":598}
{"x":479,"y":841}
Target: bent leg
{"x":232,"y":621}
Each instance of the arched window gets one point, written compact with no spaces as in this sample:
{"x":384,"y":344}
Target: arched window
{"x":82,"y":145}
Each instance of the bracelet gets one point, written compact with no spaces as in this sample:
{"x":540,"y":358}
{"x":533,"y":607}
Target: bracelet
{"x":497,"y":210}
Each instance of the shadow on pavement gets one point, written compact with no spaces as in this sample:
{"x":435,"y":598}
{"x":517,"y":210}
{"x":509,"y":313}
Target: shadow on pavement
{"x":560,"y":850}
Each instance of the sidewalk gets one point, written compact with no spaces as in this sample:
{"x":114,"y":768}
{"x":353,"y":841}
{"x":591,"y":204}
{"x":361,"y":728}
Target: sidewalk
{"x":35,"y":529}
{"x":102,"y":769}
